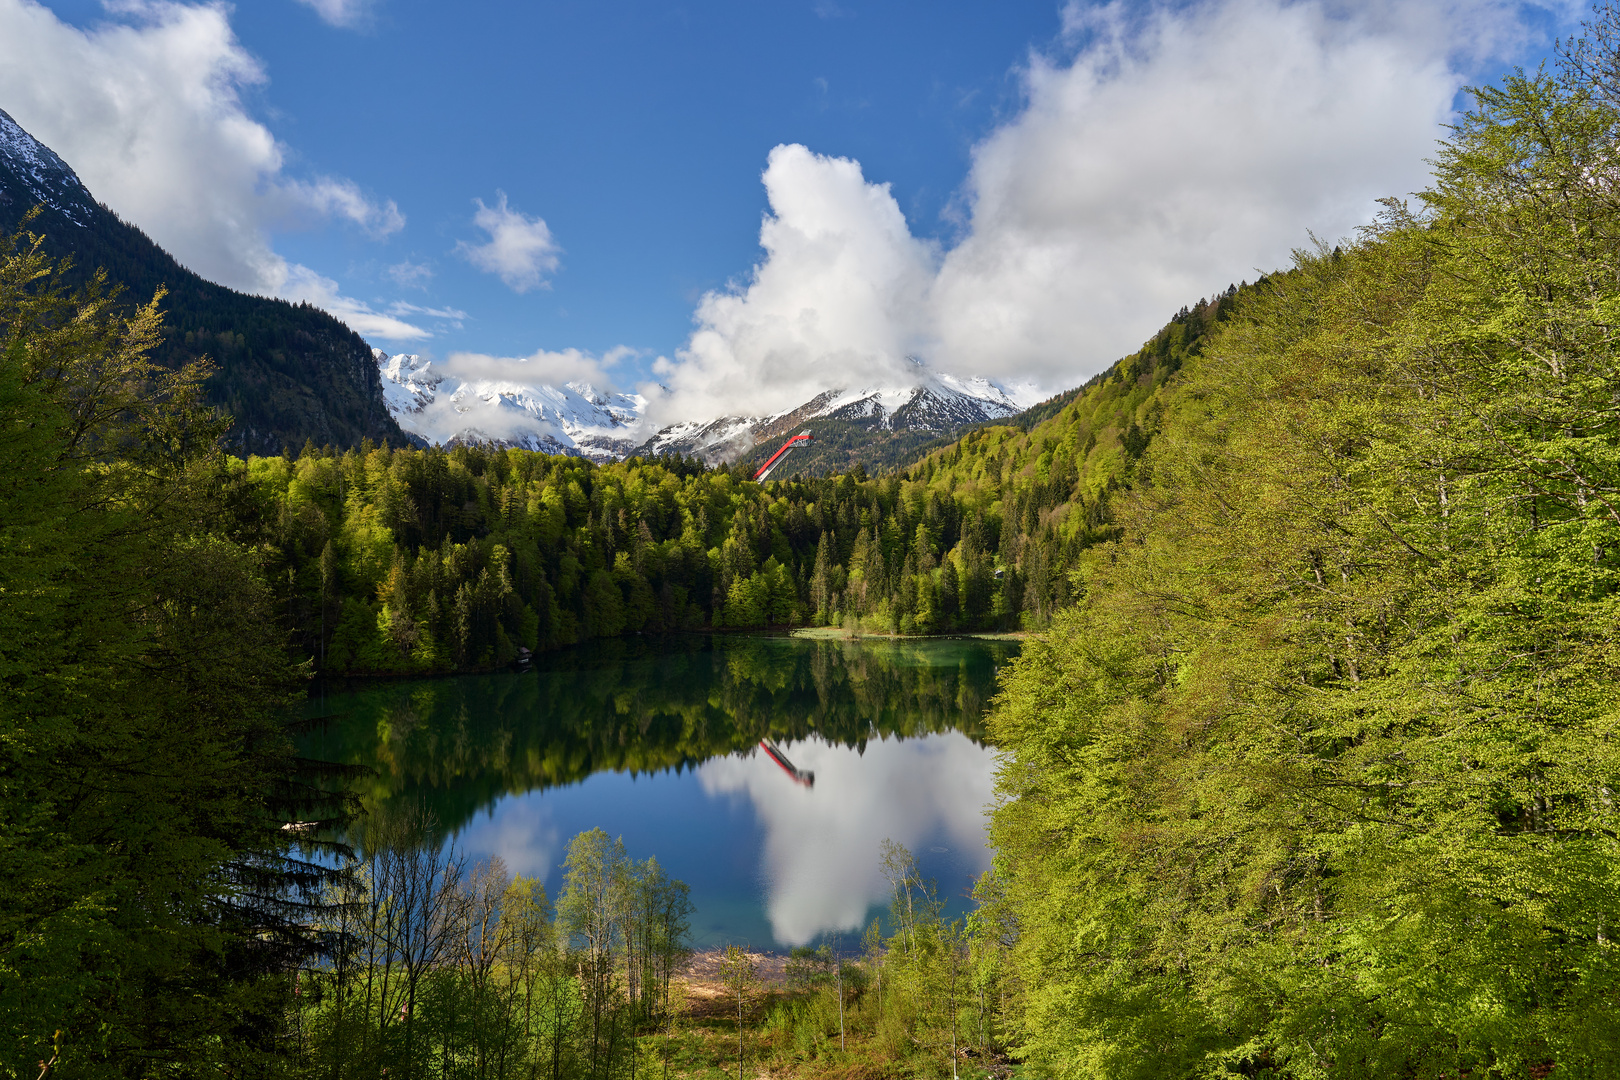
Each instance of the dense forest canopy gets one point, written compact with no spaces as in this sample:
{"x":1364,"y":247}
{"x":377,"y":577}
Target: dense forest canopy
{"x":1316,"y":778}
{"x":147,"y":900}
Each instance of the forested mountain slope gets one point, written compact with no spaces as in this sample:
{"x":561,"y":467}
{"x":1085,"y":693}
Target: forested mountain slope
{"x":841,"y":446}
{"x":1050,"y":486}
{"x":1316,"y":776}
{"x":285,"y":372}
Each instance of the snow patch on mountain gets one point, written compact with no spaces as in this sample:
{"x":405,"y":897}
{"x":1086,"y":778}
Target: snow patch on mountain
{"x":435,"y":404}
{"x":409,"y":382}
{"x":937,"y":403}
{"x":45,"y":177}
{"x":934,"y":403}
{"x":431,"y":402}
{"x":713,"y":441}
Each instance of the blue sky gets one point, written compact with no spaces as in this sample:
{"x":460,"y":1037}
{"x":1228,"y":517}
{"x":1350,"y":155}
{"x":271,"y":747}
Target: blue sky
{"x":636,"y":131}
{"x":1060,"y":177}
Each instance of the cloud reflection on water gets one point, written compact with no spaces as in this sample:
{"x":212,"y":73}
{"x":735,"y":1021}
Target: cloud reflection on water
{"x":821,"y":846}
{"x":523,"y":832}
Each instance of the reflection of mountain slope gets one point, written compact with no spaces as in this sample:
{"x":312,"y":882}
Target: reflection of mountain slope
{"x":462,"y":743}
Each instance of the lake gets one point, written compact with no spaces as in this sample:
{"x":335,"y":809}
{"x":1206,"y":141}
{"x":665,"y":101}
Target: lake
{"x":667,"y":742}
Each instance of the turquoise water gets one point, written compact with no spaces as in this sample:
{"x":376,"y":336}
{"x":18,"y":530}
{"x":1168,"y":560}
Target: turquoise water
{"x":658,"y":741}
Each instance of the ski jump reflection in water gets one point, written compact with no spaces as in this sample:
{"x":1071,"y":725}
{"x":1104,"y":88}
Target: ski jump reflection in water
{"x":800,"y":776}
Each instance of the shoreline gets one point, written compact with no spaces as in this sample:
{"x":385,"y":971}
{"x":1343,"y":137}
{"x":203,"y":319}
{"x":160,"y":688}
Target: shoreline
{"x":839,"y":633}
{"x":808,"y":633}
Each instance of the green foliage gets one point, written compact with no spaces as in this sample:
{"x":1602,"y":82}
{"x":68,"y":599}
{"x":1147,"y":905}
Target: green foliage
{"x":446,"y":969}
{"x":923,"y":1001}
{"x":427,"y":561}
{"x":1315,"y":779}
{"x":1312,"y":776}
{"x":1033,"y":494}
{"x":144,"y":879}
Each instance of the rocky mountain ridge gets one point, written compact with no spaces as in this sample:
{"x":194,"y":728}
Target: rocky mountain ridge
{"x":934,"y":406}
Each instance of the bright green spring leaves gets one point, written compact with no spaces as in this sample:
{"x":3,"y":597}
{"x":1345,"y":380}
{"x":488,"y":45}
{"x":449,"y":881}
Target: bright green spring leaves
{"x":1318,"y":778}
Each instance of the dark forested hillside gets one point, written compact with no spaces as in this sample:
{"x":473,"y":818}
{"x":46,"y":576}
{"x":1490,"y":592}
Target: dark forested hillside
{"x":842,"y":446}
{"x":285,"y":372}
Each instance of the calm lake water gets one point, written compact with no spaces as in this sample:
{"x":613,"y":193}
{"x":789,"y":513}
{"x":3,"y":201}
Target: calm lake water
{"x":658,"y":741}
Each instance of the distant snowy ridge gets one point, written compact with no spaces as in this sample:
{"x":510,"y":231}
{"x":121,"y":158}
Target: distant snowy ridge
{"x":46,"y":176}
{"x":713,"y":441}
{"x":434,"y":405}
{"x":935,"y":402}
{"x":577,"y":419}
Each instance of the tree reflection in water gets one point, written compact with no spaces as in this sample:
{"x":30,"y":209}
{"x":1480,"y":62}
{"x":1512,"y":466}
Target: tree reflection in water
{"x":890,"y":728}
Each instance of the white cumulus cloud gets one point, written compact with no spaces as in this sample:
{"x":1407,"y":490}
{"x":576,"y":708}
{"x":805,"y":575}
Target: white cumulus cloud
{"x":540,"y":368}
{"x":1166,"y":152}
{"x":343,"y":199}
{"x":838,"y":301}
{"x":520,"y":250}
{"x":302,"y":283}
{"x":1183,"y":150}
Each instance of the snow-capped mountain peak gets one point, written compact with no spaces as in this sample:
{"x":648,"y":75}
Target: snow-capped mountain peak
{"x":934,"y":402}
{"x":435,"y":405}
{"x":589,"y":393}
{"x":409,"y":382}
